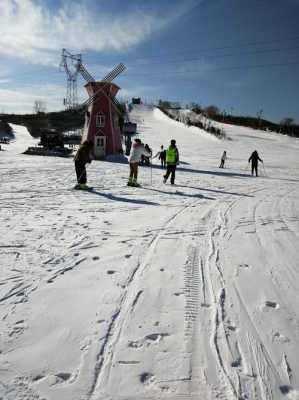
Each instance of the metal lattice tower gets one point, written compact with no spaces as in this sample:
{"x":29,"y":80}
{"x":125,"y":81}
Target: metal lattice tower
{"x":71,"y":64}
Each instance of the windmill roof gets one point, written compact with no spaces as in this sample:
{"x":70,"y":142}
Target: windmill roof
{"x":100,"y":83}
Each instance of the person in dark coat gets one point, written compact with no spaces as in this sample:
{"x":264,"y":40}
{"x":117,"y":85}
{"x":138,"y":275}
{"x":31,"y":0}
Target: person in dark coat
{"x":223,"y":158}
{"x":254,"y":158}
{"x":84,"y":155}
{"x":161,"y":156}
{"x":172,"y":160}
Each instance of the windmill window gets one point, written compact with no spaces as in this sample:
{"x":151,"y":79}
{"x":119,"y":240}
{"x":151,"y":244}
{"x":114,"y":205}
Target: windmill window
{"x":100,"y":120}
{"x":100,"y":142}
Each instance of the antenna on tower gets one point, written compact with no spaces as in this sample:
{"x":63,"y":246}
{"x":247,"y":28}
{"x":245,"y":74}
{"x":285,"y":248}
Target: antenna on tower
{"x":71,"y":64}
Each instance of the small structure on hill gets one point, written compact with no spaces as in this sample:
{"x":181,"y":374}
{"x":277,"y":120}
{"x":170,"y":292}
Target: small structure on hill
{"x":136,"y":100}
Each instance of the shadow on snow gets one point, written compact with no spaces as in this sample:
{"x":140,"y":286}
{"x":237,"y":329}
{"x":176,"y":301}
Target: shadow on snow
{"x":124,"y":199}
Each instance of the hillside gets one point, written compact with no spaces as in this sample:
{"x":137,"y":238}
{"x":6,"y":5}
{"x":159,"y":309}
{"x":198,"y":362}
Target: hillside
{"x":36,"y":123}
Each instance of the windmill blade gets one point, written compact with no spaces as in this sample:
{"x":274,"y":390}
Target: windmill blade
{"x":113,"y":74}
{"x":106,"y":80}
{"x":85,"y":74}
{"x":114,"y":102}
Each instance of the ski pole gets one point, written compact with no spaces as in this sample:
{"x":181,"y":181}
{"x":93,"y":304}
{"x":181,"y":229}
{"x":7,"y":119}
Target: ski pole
{"x":264,"y":169}
{"x":151,"y":170}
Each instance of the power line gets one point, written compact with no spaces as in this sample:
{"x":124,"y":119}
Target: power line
{"x":150,"y":57}
{"x":237,"y":67}
{"x":207,"y":49}
{"x":226,"y":55}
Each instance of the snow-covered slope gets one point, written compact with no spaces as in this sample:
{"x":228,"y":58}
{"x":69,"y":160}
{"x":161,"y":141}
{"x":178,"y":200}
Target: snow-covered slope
{"x":21,"y":139}
{"x":184,"y":292}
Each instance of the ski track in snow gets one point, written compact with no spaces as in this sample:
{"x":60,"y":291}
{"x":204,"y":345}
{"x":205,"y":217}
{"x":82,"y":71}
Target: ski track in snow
{"x":162,"y":292}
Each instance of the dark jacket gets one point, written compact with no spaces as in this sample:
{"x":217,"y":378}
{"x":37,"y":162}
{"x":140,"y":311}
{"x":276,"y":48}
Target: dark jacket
{"x":254,"y":158}
{"x":84,"y":153}
{"x":162,"y":155}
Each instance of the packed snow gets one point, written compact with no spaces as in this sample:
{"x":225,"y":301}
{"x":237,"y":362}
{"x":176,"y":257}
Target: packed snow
{"x":160,"y":292}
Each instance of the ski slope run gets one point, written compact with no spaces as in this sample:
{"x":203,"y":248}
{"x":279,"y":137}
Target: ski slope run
{"x":163,"y":292}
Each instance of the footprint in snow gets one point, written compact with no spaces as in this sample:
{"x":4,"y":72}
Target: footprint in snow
{"x":244,"y":266}
{"x":285,"y":389}
{"x":146,"y":378}
{"x":237,"y":363}
{"x":280,"y":338}
{"x":37,"y":377}
{"x":110,"y":272}
{"x":272,"y":304}
{"x":63,"y":376}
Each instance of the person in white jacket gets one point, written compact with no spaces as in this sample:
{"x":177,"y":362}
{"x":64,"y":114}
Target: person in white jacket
{"x":136,"y":153}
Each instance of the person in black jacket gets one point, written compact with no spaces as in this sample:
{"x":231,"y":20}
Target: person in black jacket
{"x":84,"y":155}
{"x":254,"y":158}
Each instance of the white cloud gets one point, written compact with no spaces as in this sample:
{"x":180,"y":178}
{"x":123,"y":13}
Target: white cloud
{"x":29,"y":30}
{"x":22,"y":100}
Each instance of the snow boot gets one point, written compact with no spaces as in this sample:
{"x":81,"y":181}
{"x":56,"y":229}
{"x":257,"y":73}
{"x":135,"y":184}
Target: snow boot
{"x":135,"y":183}
{"x":82,"y":186}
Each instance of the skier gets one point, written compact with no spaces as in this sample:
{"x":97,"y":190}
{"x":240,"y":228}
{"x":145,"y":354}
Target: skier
{"x":147,"y":159}
{"x":172,"y":160}
{"x":137,"y":151}
{"x":161,"y":156}
{"x":84,"y":155}
{"x":254,"y":158}
{"x":223,"y":158}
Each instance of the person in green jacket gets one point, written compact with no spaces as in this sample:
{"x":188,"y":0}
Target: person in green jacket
{"x":172,"y":160}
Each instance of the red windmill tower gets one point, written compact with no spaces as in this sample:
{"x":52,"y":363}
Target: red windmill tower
{"x":102,"y":115}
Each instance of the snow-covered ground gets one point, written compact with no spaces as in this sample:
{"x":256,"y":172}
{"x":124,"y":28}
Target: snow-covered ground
{"x":163,"y":292}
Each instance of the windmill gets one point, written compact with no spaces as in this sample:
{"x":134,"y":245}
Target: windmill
{"x":102,"y":111}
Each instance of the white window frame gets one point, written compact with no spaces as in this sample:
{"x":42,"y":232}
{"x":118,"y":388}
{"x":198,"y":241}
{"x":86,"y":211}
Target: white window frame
{"x":100,"y":141}
{"x":100,"y":120}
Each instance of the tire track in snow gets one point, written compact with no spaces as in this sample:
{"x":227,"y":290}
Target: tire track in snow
{"x":105,"y":355}
{"x":192,"y":282}
{"x":223,"y":338}
{"x":219,"y":334}
{"x":264,"y":366}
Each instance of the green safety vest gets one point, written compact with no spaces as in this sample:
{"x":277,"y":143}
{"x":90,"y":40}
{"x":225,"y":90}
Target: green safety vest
{"x":171,"y":155}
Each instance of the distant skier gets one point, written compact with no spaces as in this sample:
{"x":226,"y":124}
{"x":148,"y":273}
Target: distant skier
{"x":254,"y":158}
{"x":161,"y":156}
{"x":84,"y":155}
{"x":137,"y":151}
{"x":172,"y":160}
{"x":145,"y":158}
{"x":223,"y":158}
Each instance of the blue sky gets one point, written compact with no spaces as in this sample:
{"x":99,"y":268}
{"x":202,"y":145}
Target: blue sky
{"x":242,"y":56}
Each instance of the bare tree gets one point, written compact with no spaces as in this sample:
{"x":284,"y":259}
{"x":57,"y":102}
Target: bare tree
{"x":287,"y":122}
{"x":39,"y":106}
{"x":211,"y":111}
